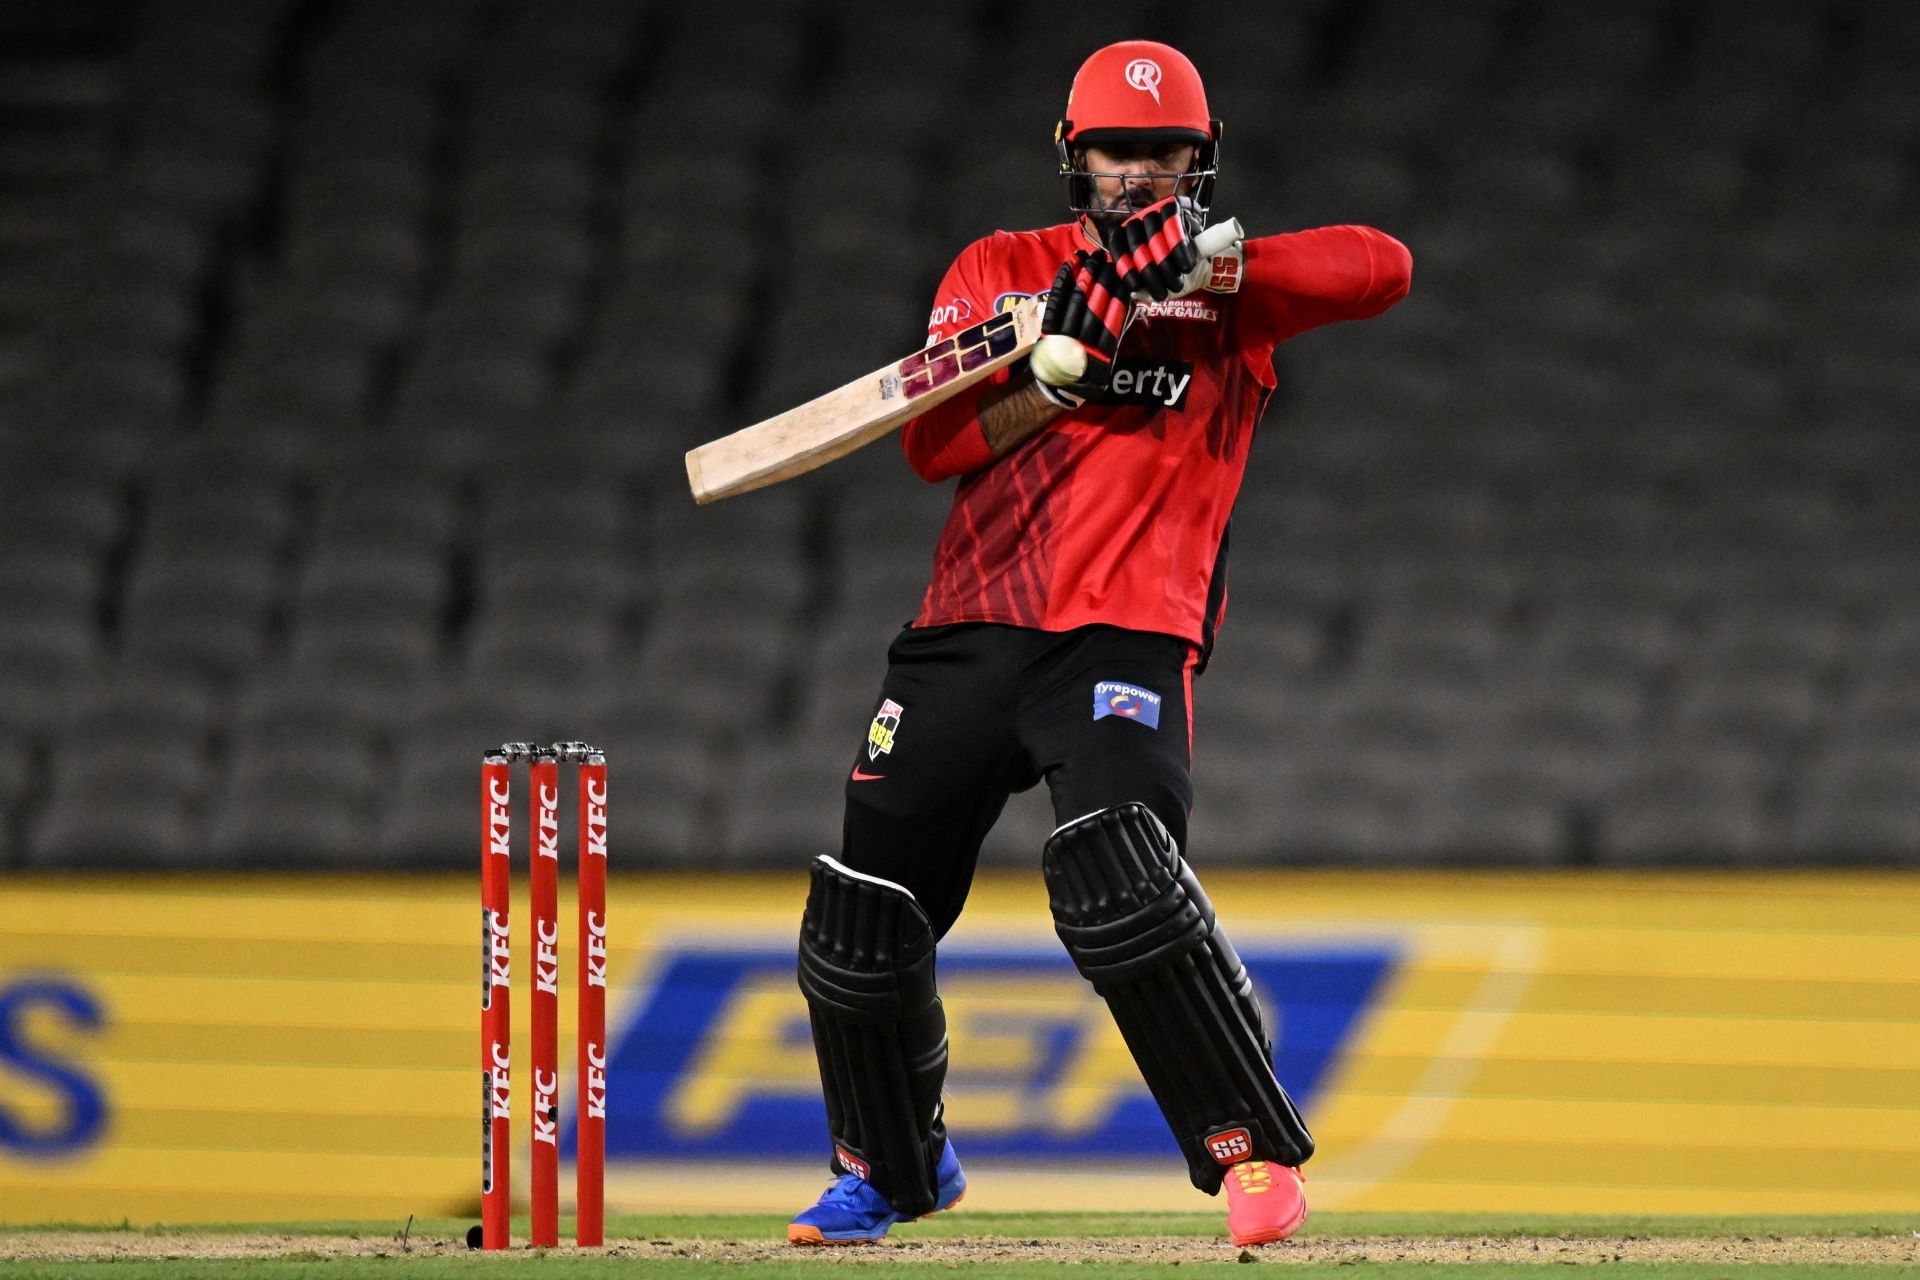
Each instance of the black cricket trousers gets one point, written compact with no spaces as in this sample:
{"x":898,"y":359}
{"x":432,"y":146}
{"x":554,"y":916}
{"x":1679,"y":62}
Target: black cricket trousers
{"x":971,"y":713}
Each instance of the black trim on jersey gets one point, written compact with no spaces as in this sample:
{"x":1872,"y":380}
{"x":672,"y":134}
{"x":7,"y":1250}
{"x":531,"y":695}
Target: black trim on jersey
{"x":1216,"y":599}
{"x":1217,"y":583}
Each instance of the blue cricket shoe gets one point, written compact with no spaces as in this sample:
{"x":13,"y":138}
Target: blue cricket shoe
{"x":852,"y":1212}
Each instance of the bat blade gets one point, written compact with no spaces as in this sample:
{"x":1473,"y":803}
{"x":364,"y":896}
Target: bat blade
{"x":831,"y":426}
{"x":835,"y":424}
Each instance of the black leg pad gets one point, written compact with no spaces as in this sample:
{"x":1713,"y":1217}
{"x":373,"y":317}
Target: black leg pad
{"x":866,"y":968}
{"x":1140,"y":929}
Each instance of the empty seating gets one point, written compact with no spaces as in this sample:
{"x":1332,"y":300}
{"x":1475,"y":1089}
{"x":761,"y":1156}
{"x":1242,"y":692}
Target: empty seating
{"x":48,"y":507}
{"x":291,"y":708}
{"x":210,"y":621}
{"x":347,"y":358}
{"x":49,"y":582}
{"x":16,"y":772}
{"x":295,"y":802}
{"x":1688,"y":812}
{"x":125,"y":807}
{"x":1345,"y":810}
{"x":44,"y":664}
{"x":1861,"y":811}
{"x":1500,"y":814}
{"x":788,"y":809}
{"x":426,"y":818}
{"x":142,"y":710}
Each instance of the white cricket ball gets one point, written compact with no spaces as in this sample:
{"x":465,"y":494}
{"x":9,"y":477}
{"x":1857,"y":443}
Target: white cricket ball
{"x":1059,"y":360}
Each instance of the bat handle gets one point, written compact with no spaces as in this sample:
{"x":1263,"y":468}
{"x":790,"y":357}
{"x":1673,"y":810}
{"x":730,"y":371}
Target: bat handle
{"x":1219,"y":237}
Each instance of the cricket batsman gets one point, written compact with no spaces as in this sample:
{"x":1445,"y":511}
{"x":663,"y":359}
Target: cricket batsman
{"x":1075,"y":592}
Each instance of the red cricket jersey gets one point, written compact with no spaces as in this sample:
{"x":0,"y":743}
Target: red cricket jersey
{"x":1117,"y":512}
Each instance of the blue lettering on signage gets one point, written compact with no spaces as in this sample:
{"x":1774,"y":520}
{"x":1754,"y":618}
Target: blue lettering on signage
{"x":717,"y":1061}
{"x":83,"y":1109}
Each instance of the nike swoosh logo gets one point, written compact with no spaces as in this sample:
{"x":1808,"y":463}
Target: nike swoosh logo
{"x":861,"y":775}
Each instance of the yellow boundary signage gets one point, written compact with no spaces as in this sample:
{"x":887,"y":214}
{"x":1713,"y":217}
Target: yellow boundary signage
{"x":259,"y":1048}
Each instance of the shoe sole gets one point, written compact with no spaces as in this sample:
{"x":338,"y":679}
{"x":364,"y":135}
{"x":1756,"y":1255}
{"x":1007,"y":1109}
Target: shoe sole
{"x":812,"y":1237}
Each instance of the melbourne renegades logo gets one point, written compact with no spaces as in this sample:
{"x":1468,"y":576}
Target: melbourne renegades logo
{"x":1230,"y":1146}
{"x":1144,"y":75}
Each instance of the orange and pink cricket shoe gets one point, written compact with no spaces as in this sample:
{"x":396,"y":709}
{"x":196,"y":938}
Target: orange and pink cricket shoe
{"x":1266,"y":1202}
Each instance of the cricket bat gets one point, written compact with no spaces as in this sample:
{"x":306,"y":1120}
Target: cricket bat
{"x":835,"y":424}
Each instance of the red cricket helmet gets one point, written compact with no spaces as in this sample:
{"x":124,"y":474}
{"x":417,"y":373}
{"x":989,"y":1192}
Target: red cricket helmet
{"x":1137,"y":90}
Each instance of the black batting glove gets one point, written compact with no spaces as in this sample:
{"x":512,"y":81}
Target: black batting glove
{"x":1153,"y":250}
{"x":1088,"y":305}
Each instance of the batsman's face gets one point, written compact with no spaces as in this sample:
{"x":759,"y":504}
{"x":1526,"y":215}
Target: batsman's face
{"x":1129,"y":176}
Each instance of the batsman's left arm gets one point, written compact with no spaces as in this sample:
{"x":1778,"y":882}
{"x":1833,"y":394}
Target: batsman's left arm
{"x":1304,"y":279}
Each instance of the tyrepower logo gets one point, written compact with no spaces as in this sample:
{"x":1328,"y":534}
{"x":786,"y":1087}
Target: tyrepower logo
{"x":1161,"y":382}
{"x":1230,"y":1146}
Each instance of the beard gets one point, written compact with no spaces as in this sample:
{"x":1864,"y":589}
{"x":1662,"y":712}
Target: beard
{"x":1125,"y":203}
{"x":1109,"y":212}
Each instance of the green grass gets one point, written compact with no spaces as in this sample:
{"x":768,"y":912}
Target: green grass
{"x":1011,"y":1231}
{"x":569,"y":1268}
{"x":970,"y":1225}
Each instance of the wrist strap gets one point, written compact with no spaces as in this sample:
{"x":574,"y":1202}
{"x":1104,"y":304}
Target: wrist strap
{"x":1065,"y":399}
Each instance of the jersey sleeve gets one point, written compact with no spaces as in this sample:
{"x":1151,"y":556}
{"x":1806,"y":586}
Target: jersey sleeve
{"x":1305,"y":279}
{"x":946,"y":441}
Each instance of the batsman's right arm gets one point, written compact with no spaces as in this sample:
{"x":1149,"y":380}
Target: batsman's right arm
{"x":952,"y":438}
{"x":974,"y":428}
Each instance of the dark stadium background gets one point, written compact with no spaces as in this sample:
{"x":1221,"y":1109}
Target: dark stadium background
{"x":348,"y":351}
